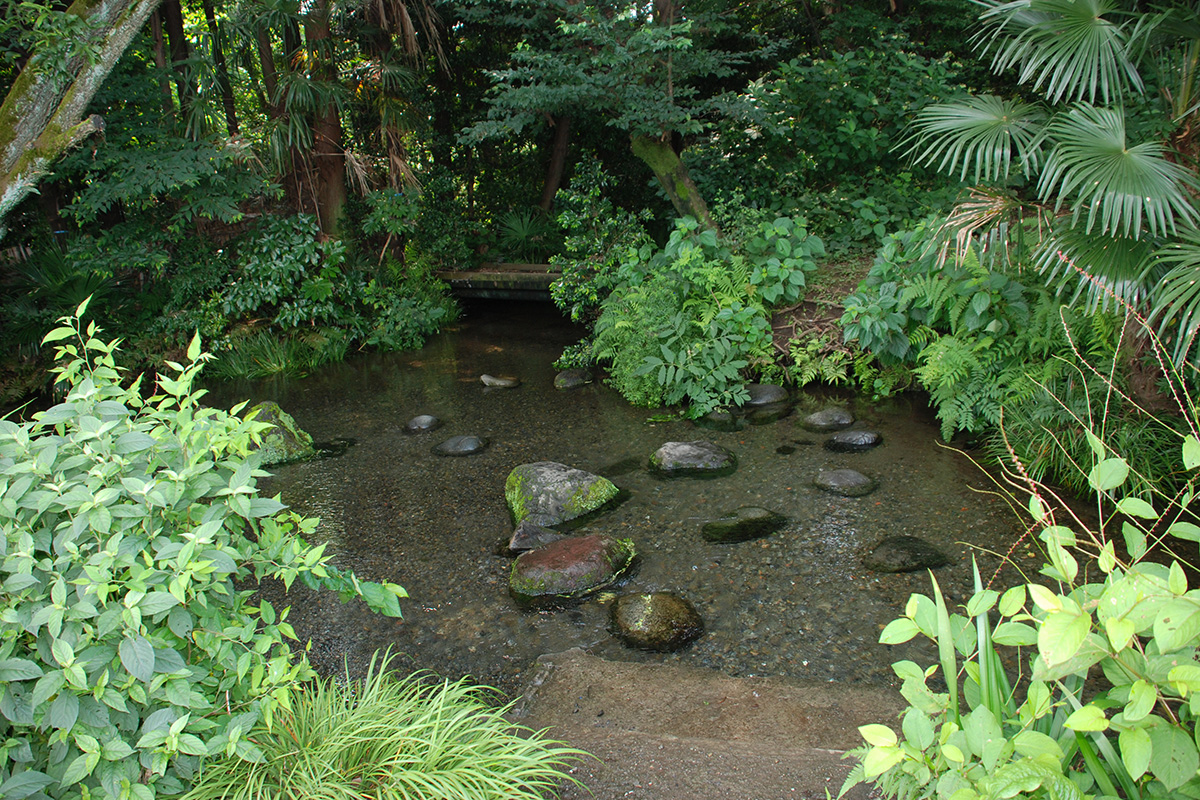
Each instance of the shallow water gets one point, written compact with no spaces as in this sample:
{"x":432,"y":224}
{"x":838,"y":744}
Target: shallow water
{"x":798,"y":604}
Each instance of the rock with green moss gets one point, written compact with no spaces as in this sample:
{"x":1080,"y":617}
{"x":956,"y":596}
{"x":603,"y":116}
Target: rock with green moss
{"x":548,"y":493}
{"x":283,"y":441}
{"x":656,"y":621}
{"x":570,"y":568}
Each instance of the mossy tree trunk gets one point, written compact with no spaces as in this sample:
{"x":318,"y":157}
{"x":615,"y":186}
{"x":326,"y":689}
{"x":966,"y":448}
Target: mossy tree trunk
{"x":673,"y":176}
{"x":42,"y":115}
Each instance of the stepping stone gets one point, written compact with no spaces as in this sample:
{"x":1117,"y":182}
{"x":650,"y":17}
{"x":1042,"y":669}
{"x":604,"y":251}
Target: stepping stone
{"x":423,"y":423}
{"x":904,"y":554}
{"x":660,"y":621}
{"x":284,"y":441}
{"x":828,"y":419}
{"x":461,"y":446}
{"x":721,"y":419}
{"x":853,"y":441}
{"x":845,"y":482}
{"x":493,"y":382}
{"x":765,"y":394}
{"x":570,"y":568}
{"x":747,"y":522}
{"x":697,"y":459}
{"x":548,"y":493}
{"x":572,"y":379}
{"x":529,"y":536}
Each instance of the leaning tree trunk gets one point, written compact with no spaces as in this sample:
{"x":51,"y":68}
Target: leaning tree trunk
{"x":674,"y":178}
{"x":558,"y":162}
{"x":42,"y":114}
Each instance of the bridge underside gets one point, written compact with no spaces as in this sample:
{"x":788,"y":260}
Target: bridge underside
{"x":502,"y":281}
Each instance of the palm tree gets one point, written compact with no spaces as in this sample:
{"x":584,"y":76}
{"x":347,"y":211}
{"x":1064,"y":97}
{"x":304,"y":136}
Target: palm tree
{"x":1092,"y":172}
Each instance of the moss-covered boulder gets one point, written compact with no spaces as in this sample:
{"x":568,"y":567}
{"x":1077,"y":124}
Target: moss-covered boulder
{"x":570,"y":568}
{"x":656,"y":621}
{"x":548,"y":493}
{"x":283,"y":441}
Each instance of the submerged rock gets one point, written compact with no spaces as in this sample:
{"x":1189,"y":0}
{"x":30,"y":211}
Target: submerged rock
{"x":853,"y":441}
{"x":572,"y":378}
{"x":766,"y":414}
{"x":721,"y":419}
{"x":548,"y":493}
{"x":461,"y":446}
{"x":747,"y":522}
{"x":698,"y":458}
{"x":904,"y":554}
{"x":656,"y":621}
{"x":499,"y":383}
{"x":845,"y":482}
{"x":765,"y":394}
{"x":570,"y":567}
{"x":423,"y":423}
{"x":283,"y":441}
{"x":529,"y":536}
{"x":828,"y":419}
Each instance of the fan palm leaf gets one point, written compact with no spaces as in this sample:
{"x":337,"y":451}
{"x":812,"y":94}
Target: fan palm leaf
{"x":1070,"y":49}
{"x":1124,"y":190}
{"x":1093,"y":268}
{"x":982,"y":135}
{"x":1177,"y":301}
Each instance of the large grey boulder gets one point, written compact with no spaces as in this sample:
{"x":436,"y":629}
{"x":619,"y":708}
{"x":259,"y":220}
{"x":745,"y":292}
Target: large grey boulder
{"x":846,"y":482}
{"x":656,"y":621}
{"x":284,"y":441}
{"x":699,"y":458}
{"x":904,"y":554}
{"x":548,"y":493}
{"x":747,"y":522}
{"x":570,"y":568}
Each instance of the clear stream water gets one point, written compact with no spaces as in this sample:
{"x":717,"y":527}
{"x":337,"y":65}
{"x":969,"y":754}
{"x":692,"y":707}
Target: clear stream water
{"x":796,"y":604}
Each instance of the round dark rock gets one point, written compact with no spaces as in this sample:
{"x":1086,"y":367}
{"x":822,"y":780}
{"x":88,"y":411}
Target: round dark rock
{"x":845,"y":482}
{"x":853,"y":441}
{"x":548,"y":493}
{"x":828,"y":419}
{"x":461,"y":446}
{"x":529,"y":536}
{"x":284,"y":441}
{"x":765,"y":394}
{"x":697,"y":459}
{"x":572,"y":378}
{"x":748,"y":522}
{"x":491,"y":381}
{"x":423,"y":423}
{"x":766,"y":414}
{"x":904,"y":554}
{"x":657,"y":621}
{"x":570,"y":567}
{"x":721,"y":419}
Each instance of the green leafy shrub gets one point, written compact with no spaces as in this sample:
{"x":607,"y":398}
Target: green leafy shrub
{"x":1107,"y":705}
{"x":130,"y":643}
{"x":388,"y":737}
{"x":405,"y":305}
{"x":527,"y":236}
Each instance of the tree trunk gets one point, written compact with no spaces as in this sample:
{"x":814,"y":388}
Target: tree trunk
{"x":160,"y":61}
{"x":558,"y":160}
{"x":223,"y":83}
{"x":42,"y":115}
{"x":328,"y":156}
{"x":673,"y":176}
{"x":173,"y":20}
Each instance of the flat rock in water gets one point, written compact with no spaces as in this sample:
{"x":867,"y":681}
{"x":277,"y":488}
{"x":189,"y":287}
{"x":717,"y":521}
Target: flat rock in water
{"x":765,"y":394}
{"x":747,"y":522}
{"x":853,"y":441}
{"x":494,"y":382}
{"x":721,"y":419}
{"x":766,"y":414}
{"x":548,"y":493}
{"x":828,"y":419}
{"x":529,"y":536}
{"x":284,"y":441}
{"x":656,"y":621}
{"x":461,"y":446}
{"x":572,"y":378}
{"x":699,"y":459}
{"x":423,"y":423}
{"x":904,"y":554}
{"x":846,"y":482}
{"x":570,"y":568}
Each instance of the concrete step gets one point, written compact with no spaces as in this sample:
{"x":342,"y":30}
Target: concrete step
{"x":663,"y":732}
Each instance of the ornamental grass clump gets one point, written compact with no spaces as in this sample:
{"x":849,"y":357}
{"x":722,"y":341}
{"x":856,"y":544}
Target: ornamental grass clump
{"x":388,"y":737}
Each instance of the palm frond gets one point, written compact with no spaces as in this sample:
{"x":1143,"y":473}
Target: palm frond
{"x":1125,"y":190}
{"x":1070,"y":49}
{"x":1112,"y":264}
{"x":982,"y":133}
{"x":995,"y":223}
{"x":1177,"y":299}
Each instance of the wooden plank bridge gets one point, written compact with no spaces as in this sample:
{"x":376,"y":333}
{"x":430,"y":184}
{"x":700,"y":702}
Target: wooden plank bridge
{"x":502,"y":281}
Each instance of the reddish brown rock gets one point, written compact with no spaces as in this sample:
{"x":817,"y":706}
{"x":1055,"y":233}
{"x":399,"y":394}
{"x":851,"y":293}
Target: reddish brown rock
{"x":570,"y":567}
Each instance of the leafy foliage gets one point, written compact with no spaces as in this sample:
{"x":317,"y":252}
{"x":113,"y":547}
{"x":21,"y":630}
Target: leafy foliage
{"x":129,"y":644}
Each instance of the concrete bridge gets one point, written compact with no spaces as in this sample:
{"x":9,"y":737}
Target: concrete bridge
{"x":502,"y":281}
